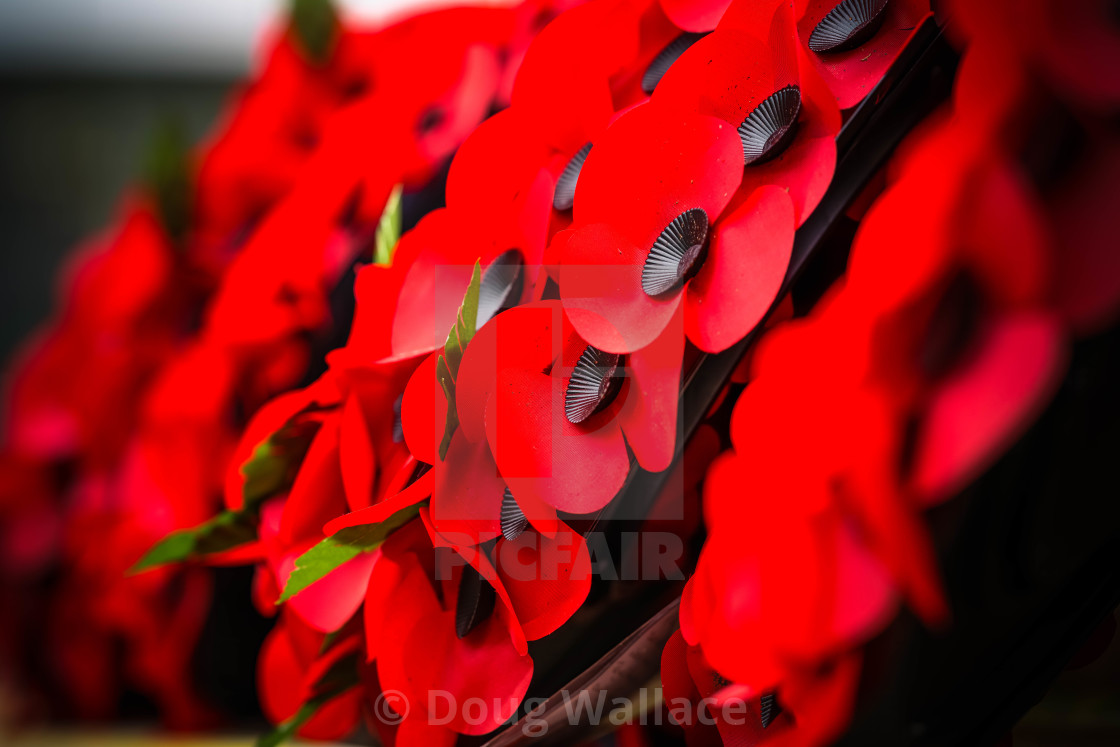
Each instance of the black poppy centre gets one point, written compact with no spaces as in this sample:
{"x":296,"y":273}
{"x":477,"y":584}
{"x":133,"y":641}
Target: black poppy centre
{"x":565,"y":194}
{"x":848,"y":25}
{"x":665,"y":59}
{"x":595,"y":381}
{"x":677,"y":254}
{"x":501,"y":285}
{"x":771,"y":126}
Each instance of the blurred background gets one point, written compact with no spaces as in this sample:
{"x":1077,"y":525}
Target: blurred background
{"x":83,"y":85}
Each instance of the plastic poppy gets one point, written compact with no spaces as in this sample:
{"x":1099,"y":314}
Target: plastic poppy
{"x":681,"y":237}
{"x":811,"y":707}
{"x":291,"y":664}
{"x":852,"y":43}
{"x":413,"y":625}
{"x":422,"y":291}
{"x":690,"y":683}
{"x":780,"y":534}
{"x":963,"y":331}
{"x":558,"y":413}
{"x":784,"y":114}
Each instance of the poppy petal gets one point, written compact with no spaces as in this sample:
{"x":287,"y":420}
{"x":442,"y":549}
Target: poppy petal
{"x":468,"y":492}
{"x":851,"y":74}
{"x":986,"y":404}
{"x":543,"y":456}
{"x":603,"y":295}
{"x":664,"y":163}
{"x":747,"y":261}
{"x":649,"y":415}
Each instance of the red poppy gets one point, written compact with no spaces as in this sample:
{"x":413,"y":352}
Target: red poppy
{"x":567,"y":95}
{"x":690,"y":683}
{"x":660,"y":42}
{"x":853,"y":43}
{"x":1066,"y":159}
{"x":543,"y":576}
{"x":288,"y":669}
{"x":678,"y":239}
{"x":786,"y":565}
{"x":558,"y":413}
{"x":412,"y":631}
{"x":422,"y":291}
{"x":453,"y":59}
{"x":253,"y":159}
{"x":784,"y":114}
{"x":354,"y":456}
{"x":962,"y":332}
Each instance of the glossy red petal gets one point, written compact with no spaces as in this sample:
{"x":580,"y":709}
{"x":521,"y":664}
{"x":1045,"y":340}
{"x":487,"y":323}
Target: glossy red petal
{"x":424,"y":411}
{"x":649,"y":415}
{"x":756,"y":16}
{"x":317,"y":495}
{"x":410,"y":496}
{"x":747,"y":260}
{"x":543,"y":456}
{"x":495,"y":164}
{"x":397,"y":559}
{"x":281,"y":681}
{"x":523,"y":337}
{"x":468,"y":492}
{"x":485,"y":664}
{"x":805,"y":168}
{"x":546,"y":578}
{"x":851,"y":74}
{"x":357,"y":456}
{"x":727,"y":74}
{"x":328,"y":603}
{"x":695,"y":16}
{"x":564,"y":92}
{"x":601,"y":287}
{"x":664,"y":163}
{"x":450,"y":242}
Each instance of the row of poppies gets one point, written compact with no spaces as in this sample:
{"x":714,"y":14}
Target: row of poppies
{"x":626,"y":203}
{"x":986,"y":256}
{"x":203,"y":301}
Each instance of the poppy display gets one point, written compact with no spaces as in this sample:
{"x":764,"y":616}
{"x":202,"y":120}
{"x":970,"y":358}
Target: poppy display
{"x":459,"y":316}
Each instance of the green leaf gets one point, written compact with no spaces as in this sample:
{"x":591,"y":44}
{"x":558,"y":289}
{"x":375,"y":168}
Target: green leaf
{"x":225,"y":531}
{"x":274,"y":463}
{"x":447,"y":365}
{"x":315,"y":25}
{"x":388,"y":229}
{"x":339,"y":678}
{"x":285,"y":730}
{"x":167,"y":176}
{"x":270,"y":470}
{"x":341,"y":547}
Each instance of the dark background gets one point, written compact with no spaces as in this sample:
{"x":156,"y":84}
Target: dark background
{"x":69,"y":147}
